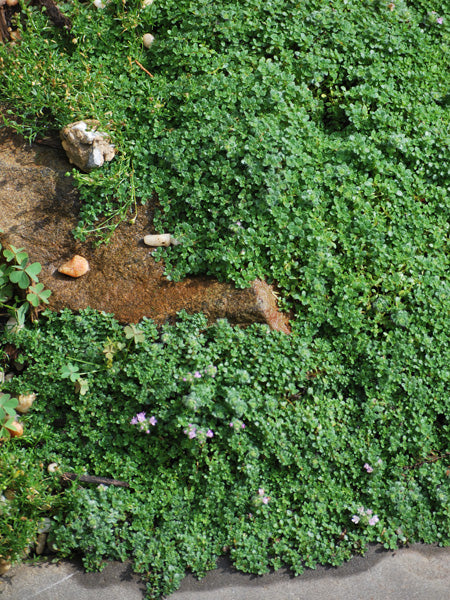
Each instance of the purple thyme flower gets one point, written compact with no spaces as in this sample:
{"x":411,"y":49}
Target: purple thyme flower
{"x":368,"y":468}
{"x":191,"y":431}
{"x":439,"y":20}
{"x":134,"y":421}
{"x":369,"y":511}
{"x":152,"y":420}
{"x":264,"y":499}
{"x":211,"y":370}
{"x":197,"y":374}
{"x":140,"y":417}
{"x":209,"y":433}
{"x":373,"y":520}
{"x":355,"y":519}
{"x":361,"y":510}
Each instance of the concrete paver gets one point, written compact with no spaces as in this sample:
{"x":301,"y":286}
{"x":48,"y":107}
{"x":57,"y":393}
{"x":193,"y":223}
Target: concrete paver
{"x":420,"y":572}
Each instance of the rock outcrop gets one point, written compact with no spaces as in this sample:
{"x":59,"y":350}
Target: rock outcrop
{"x":38,"y":210}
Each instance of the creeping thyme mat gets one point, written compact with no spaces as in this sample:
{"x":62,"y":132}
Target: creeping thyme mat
{"x":275,"y":449}
{"x":306,"y":143}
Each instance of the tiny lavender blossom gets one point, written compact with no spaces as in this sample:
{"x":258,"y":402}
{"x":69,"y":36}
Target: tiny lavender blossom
{"x":211,"y":370}
{"x":134,"y":421}
{"x":355,"y":519}
{"x":264,"y":498}
{"x":368,"y":468}
{"x":197,"y":374}
{"x":373,"y":520}
{"x":191,"y":431}
{"x":152,"y":420}
{"x":140,"y":417}
{"x":209,"y":433}
{"x":439,"y":20}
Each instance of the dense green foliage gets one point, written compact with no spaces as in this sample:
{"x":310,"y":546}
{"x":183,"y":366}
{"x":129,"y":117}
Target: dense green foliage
{"x":303,"y":142}
{"x":311,"y":138}
{"x":282,"y":433}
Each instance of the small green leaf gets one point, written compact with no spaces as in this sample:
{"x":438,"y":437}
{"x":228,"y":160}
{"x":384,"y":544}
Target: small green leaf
{"x":33,"y":270}
{"x":20,"y":278}
{"x":37,"y":294}
{"x":134,"y":333}
{"x":70,"y":371}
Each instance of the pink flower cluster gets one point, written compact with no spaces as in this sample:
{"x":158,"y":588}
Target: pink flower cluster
{"x":143,"y":422}
{"x":365,"y":514}
{"x":264,"y":499}
{"x":191,"y":431}
{"x":237,"y":425}
{"x":369,"y":469}
{"x":210,"y":370}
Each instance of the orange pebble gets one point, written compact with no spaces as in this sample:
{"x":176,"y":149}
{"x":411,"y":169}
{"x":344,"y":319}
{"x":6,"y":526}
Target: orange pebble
{"x":18,"y":431}
{"x":75,"y":267}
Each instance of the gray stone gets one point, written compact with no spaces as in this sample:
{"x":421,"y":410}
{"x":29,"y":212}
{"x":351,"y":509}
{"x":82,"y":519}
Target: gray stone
{"x":420,"y":572}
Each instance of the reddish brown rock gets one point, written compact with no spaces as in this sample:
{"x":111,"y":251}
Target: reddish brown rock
{"x":39,"y":208}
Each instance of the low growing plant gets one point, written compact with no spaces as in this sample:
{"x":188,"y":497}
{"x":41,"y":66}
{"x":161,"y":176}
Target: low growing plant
{"x":305,"y":143}
{"x":306,"y":458}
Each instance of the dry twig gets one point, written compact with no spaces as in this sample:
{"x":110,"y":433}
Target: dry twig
{"x":93,"y":479}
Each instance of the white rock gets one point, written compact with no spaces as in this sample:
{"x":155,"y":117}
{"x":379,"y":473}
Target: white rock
{"x":85,"y":146}
{"x":25,"y":402}
{"x":147,"y":3}
{"x":148,"y":39}
{"x":12,"y":325}
{"x":162,"y":239}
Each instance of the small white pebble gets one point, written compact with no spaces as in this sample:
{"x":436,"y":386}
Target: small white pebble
{"x":148,"y":39}
{"x":13,"y":326}
{"x":52,"y":467}
{"x":99,"y":4}
{"x":147,"y":3}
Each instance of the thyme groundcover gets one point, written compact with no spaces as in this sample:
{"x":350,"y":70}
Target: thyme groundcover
{"x":306,"y":143}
